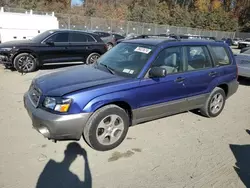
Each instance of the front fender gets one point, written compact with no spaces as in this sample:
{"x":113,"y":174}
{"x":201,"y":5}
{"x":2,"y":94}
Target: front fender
{"x":123,"y":96}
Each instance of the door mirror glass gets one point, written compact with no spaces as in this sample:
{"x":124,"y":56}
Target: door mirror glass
{"x":157,"y":72}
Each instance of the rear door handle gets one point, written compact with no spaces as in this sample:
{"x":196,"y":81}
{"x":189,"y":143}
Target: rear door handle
{"x":213,"y":74}
{"x":179,"y":79}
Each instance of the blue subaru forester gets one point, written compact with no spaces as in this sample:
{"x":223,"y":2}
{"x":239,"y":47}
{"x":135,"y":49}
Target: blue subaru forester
{"x":136,"y":81}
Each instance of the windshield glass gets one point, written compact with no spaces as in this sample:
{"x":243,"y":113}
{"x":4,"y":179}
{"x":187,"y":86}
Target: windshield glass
{"x":126,"y":59}
{"x":42,"y":36}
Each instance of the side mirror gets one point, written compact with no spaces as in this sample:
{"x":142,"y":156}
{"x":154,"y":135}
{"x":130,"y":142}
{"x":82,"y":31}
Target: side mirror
{"x":157,"y":72}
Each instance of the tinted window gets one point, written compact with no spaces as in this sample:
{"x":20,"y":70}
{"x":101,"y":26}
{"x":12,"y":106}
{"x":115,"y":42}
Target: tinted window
{"x":198,"y":58}
{"x":170,"y":59}
{"x":221,"y":56}
{"x":78,"y":37}
{"x":103,"y":34}
{"x":42,"y":36}
{"x":60,"y":37}
{"x":117,"y":36}
{"x":90,"y":38}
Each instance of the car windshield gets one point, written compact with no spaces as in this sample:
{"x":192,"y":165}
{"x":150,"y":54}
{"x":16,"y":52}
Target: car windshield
{"x":40,"y":37}
{"x":126,"y":59}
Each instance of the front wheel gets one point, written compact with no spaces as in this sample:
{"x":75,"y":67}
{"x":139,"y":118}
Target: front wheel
{"x":106,"y":128}
{"x":92,"y":58}
{"x":25,"y":63}
{"x":214,"y":104}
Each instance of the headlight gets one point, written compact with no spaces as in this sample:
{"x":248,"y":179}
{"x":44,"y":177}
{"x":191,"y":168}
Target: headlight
{"x":57,"y":104}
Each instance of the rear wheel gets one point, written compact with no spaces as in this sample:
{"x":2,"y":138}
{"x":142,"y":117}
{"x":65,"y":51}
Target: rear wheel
{"x":92,"y":58}
{"x":25,"y":62}
{"x":106,"y":128}
{"x":214,"y":104}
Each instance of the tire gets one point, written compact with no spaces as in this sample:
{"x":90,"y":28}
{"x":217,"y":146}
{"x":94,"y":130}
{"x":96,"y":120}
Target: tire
{"x":21,"y":59}
{"x":92,"y":58}
{"x":99,"y":138}
{"x":110,"y":46}
{"x":207,"y":110}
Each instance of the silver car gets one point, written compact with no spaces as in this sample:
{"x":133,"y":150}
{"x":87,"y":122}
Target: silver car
{"x":243,"y":62}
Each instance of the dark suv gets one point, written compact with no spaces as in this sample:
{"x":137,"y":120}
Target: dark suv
{"x":52,"y":47}
{"x":138,"y":80}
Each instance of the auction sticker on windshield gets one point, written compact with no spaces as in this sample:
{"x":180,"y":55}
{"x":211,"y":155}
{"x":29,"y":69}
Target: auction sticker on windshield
{"x":142,"y":50}
{"x":128,"y":71}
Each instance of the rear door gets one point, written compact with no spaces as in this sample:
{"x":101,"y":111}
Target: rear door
{"x":81,"y":45}
{"x":55,"y":49}
{"x":202,"y":74}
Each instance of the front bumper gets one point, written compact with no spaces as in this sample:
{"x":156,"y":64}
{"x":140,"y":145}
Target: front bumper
{"x":53,"y":126}
{"x":6,"y":60}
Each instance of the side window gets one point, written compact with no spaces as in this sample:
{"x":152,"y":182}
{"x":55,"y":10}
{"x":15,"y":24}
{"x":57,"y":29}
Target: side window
{"x":102,"y":34}
{"x":221,"y":56}
{"x":170,"y":59}
{"x":78,"y":37}
{"x":90,"y":38}
{"x":198,"y":58}
{"x":60,"y":37}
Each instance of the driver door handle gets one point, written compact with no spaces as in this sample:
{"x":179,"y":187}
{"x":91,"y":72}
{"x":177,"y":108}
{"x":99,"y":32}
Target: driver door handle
{"x":212,"y":74}
{"x":179,"y":79}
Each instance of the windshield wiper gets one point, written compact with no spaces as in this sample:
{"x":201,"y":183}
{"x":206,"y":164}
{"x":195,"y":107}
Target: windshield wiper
{"x":108,"y":68}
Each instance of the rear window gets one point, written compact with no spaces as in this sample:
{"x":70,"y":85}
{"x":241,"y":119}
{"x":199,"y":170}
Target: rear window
{"x":221,"y":56}
{"x":102,"y":34}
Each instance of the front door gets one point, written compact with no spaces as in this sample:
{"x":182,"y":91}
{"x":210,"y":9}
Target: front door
{"x":55,"y":49}
{"x":158,"y":97}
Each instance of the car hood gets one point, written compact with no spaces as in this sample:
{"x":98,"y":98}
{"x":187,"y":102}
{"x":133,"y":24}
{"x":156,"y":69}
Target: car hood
{"x":73,"y":79}
{"x":16,"y":43}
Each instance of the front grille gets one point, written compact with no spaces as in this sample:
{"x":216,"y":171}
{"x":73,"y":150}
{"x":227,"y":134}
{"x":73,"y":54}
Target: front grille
{"x":34,"y":94}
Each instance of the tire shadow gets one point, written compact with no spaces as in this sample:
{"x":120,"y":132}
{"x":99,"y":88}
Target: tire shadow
{"x":57,"y":174}
{"x":242,"y":165}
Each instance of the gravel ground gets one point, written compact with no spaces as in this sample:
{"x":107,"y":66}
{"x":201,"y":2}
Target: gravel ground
{"x":184,"y":150}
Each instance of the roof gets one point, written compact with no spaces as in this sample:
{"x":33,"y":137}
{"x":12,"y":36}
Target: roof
{"x":71,"y":30}
{"x":155,"y":42}
{"x":148,"y":41}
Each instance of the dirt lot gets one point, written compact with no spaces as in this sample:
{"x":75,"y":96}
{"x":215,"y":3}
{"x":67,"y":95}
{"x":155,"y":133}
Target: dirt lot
{"x":185,"y":150}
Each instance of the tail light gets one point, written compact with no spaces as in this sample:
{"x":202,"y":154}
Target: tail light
{"x":106,"y":47}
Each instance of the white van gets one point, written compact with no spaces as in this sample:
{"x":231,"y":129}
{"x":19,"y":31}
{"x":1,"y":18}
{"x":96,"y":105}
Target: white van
{"x":21,"y":26}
